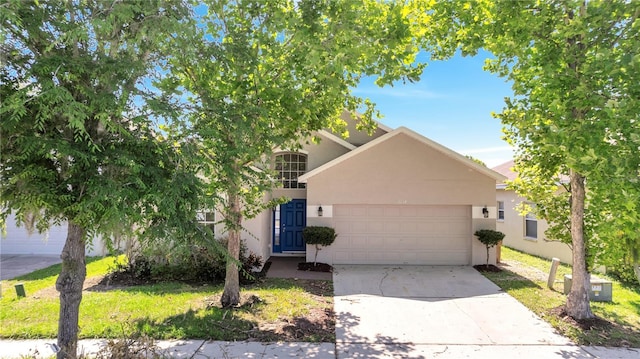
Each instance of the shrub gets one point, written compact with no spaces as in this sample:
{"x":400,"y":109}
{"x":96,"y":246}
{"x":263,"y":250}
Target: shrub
{"x":625,"y":271}
{"x":318,"y":236}
{"x":489,"y":238}
{"x":189,"y":263}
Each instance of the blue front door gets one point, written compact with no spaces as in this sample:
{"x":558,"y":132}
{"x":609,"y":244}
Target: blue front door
{"x":288,"y":226}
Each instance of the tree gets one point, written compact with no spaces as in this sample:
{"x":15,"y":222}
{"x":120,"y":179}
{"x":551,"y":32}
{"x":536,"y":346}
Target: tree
{"x":489,"y":238}
{"x":318,"y":236}
{"x":575,"y":67}
{"x":476,"y":160}
{"x":74,"y":146}
{"x":259,"y":75}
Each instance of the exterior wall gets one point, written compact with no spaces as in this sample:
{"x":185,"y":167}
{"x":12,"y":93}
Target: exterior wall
{"x":257,"y":236}
{"x":402,"y":170}
{"x":513,"y":228}
{"x":358,"y":138}
{"x":18,"y":241}
{"x":262,"y":225}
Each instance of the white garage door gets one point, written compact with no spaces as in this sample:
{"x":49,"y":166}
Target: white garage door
{"x":17,"y":240}
{"x":397,"y":234}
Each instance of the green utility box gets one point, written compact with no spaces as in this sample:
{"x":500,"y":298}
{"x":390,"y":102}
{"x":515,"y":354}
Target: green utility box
{"x":600,"y":289}
{"x":20,"y":290}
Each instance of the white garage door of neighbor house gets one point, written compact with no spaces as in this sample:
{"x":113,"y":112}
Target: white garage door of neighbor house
{"x":398,"y":234}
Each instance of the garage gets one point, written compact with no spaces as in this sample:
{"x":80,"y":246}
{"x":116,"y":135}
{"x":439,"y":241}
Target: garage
{"x":402,"y":234}
{"x":18,"y":240}
{"x":402,"y":199}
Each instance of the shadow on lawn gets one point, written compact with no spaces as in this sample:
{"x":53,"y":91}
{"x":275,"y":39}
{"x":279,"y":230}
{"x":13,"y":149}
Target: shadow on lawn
{"x":315,"y":287}
{"x":211,"y":321}
{"x":228,"y":325}
{"x":508,"y":279}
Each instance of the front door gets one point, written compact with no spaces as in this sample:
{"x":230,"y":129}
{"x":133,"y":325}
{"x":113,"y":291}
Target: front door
{"x":288,"y":226}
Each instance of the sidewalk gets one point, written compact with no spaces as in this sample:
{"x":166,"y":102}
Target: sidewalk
{"x":201,"y":349}
{"x":40,"y":348}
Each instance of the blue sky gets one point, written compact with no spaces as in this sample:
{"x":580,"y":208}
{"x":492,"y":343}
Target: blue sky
{"x":452,"y":105}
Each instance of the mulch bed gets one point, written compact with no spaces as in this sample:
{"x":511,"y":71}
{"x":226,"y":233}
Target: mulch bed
{"x":596,"y":323}
{"x":487,"y":268}
{"x":315,"y":267}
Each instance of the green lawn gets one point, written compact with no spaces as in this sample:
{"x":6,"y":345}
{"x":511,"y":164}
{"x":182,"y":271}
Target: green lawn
{"x":167,"y":310}
{"x":521,"y":282}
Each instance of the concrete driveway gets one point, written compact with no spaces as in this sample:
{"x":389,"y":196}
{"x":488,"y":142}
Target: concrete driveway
{"x":436,"y":311}
{"x":14,"y":265}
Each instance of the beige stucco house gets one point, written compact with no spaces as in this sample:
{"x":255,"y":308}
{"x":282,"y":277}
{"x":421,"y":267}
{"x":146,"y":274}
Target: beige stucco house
{"x":523,"y":232}
{"x":395,"y":197}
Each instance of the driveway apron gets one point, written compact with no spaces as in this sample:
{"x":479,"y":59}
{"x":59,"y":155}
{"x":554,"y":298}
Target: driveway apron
{"x":440,"y":306}
{"x":15,"y":265}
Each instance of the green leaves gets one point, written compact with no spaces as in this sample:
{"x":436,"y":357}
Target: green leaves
{"x":73,"y":148}
{"x":576,"y":83}
{"x":260,"y":75}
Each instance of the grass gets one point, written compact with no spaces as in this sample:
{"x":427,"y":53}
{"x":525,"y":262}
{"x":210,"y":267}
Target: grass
{"x":524,"y":278}
{"x":165,"y":310}
{"x":46,"y":277}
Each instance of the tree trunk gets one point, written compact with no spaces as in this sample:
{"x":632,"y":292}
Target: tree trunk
{"x":69,"y":284}
{"x":578,"y":306}
{"x":231,"y":294}
{"x":315,"y":259}
{"x":487,"y":256}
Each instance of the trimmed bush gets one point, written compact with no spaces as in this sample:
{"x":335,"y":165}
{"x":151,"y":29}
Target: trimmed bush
{"x":489,"y":238}
{"x":189,"y":263}
{"x":318,"y":236}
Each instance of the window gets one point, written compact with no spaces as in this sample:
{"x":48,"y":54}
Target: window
{"x":207,"y":218}
{"x":530,"y":226}
{"x":290,"y":166}
{"x":276,"y":226}
{"x":500,"y":210}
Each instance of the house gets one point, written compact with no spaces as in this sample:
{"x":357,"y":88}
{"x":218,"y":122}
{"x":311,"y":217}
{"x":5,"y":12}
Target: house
{"x":394,"y":197}
{"x":18,"y":240}
{"x":524,"y":233}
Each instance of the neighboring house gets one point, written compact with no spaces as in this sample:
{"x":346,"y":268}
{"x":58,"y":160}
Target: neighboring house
{"x":395,"y":197}
{"x":18,"y":240}
{"x":525,"y":233}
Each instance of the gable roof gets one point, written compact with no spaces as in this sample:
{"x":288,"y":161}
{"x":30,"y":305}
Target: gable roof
{"x":336,"y":139}
{"x":403,"y":130}
{"x":506,"y":169}
{"x":359,"y":137}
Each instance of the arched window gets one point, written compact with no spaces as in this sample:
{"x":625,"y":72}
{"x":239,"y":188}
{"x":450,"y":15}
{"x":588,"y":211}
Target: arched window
{"x":290,"y":166}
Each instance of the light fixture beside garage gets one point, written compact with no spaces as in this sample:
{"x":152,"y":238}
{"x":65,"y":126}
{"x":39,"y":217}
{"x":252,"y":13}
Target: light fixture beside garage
{"x":485,"y":212}
{"x":320,"y":211}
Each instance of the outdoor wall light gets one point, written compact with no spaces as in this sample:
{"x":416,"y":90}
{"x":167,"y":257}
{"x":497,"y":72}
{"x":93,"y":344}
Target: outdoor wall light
{"x":319,"y":211}
{"x":485,"y":212}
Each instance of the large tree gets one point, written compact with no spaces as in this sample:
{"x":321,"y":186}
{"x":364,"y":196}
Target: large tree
{"x":575,"y":115}
{"x":263,"y":74}
{"x":75,"y":143}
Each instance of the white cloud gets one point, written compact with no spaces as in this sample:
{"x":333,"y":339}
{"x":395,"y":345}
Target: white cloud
{"x":487,"y":150}
{"x":491,"y":156}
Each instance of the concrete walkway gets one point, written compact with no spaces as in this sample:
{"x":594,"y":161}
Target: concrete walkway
{"x":287,"y":267}
{"x":199,"y":349}
{"x":41,"y":348}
